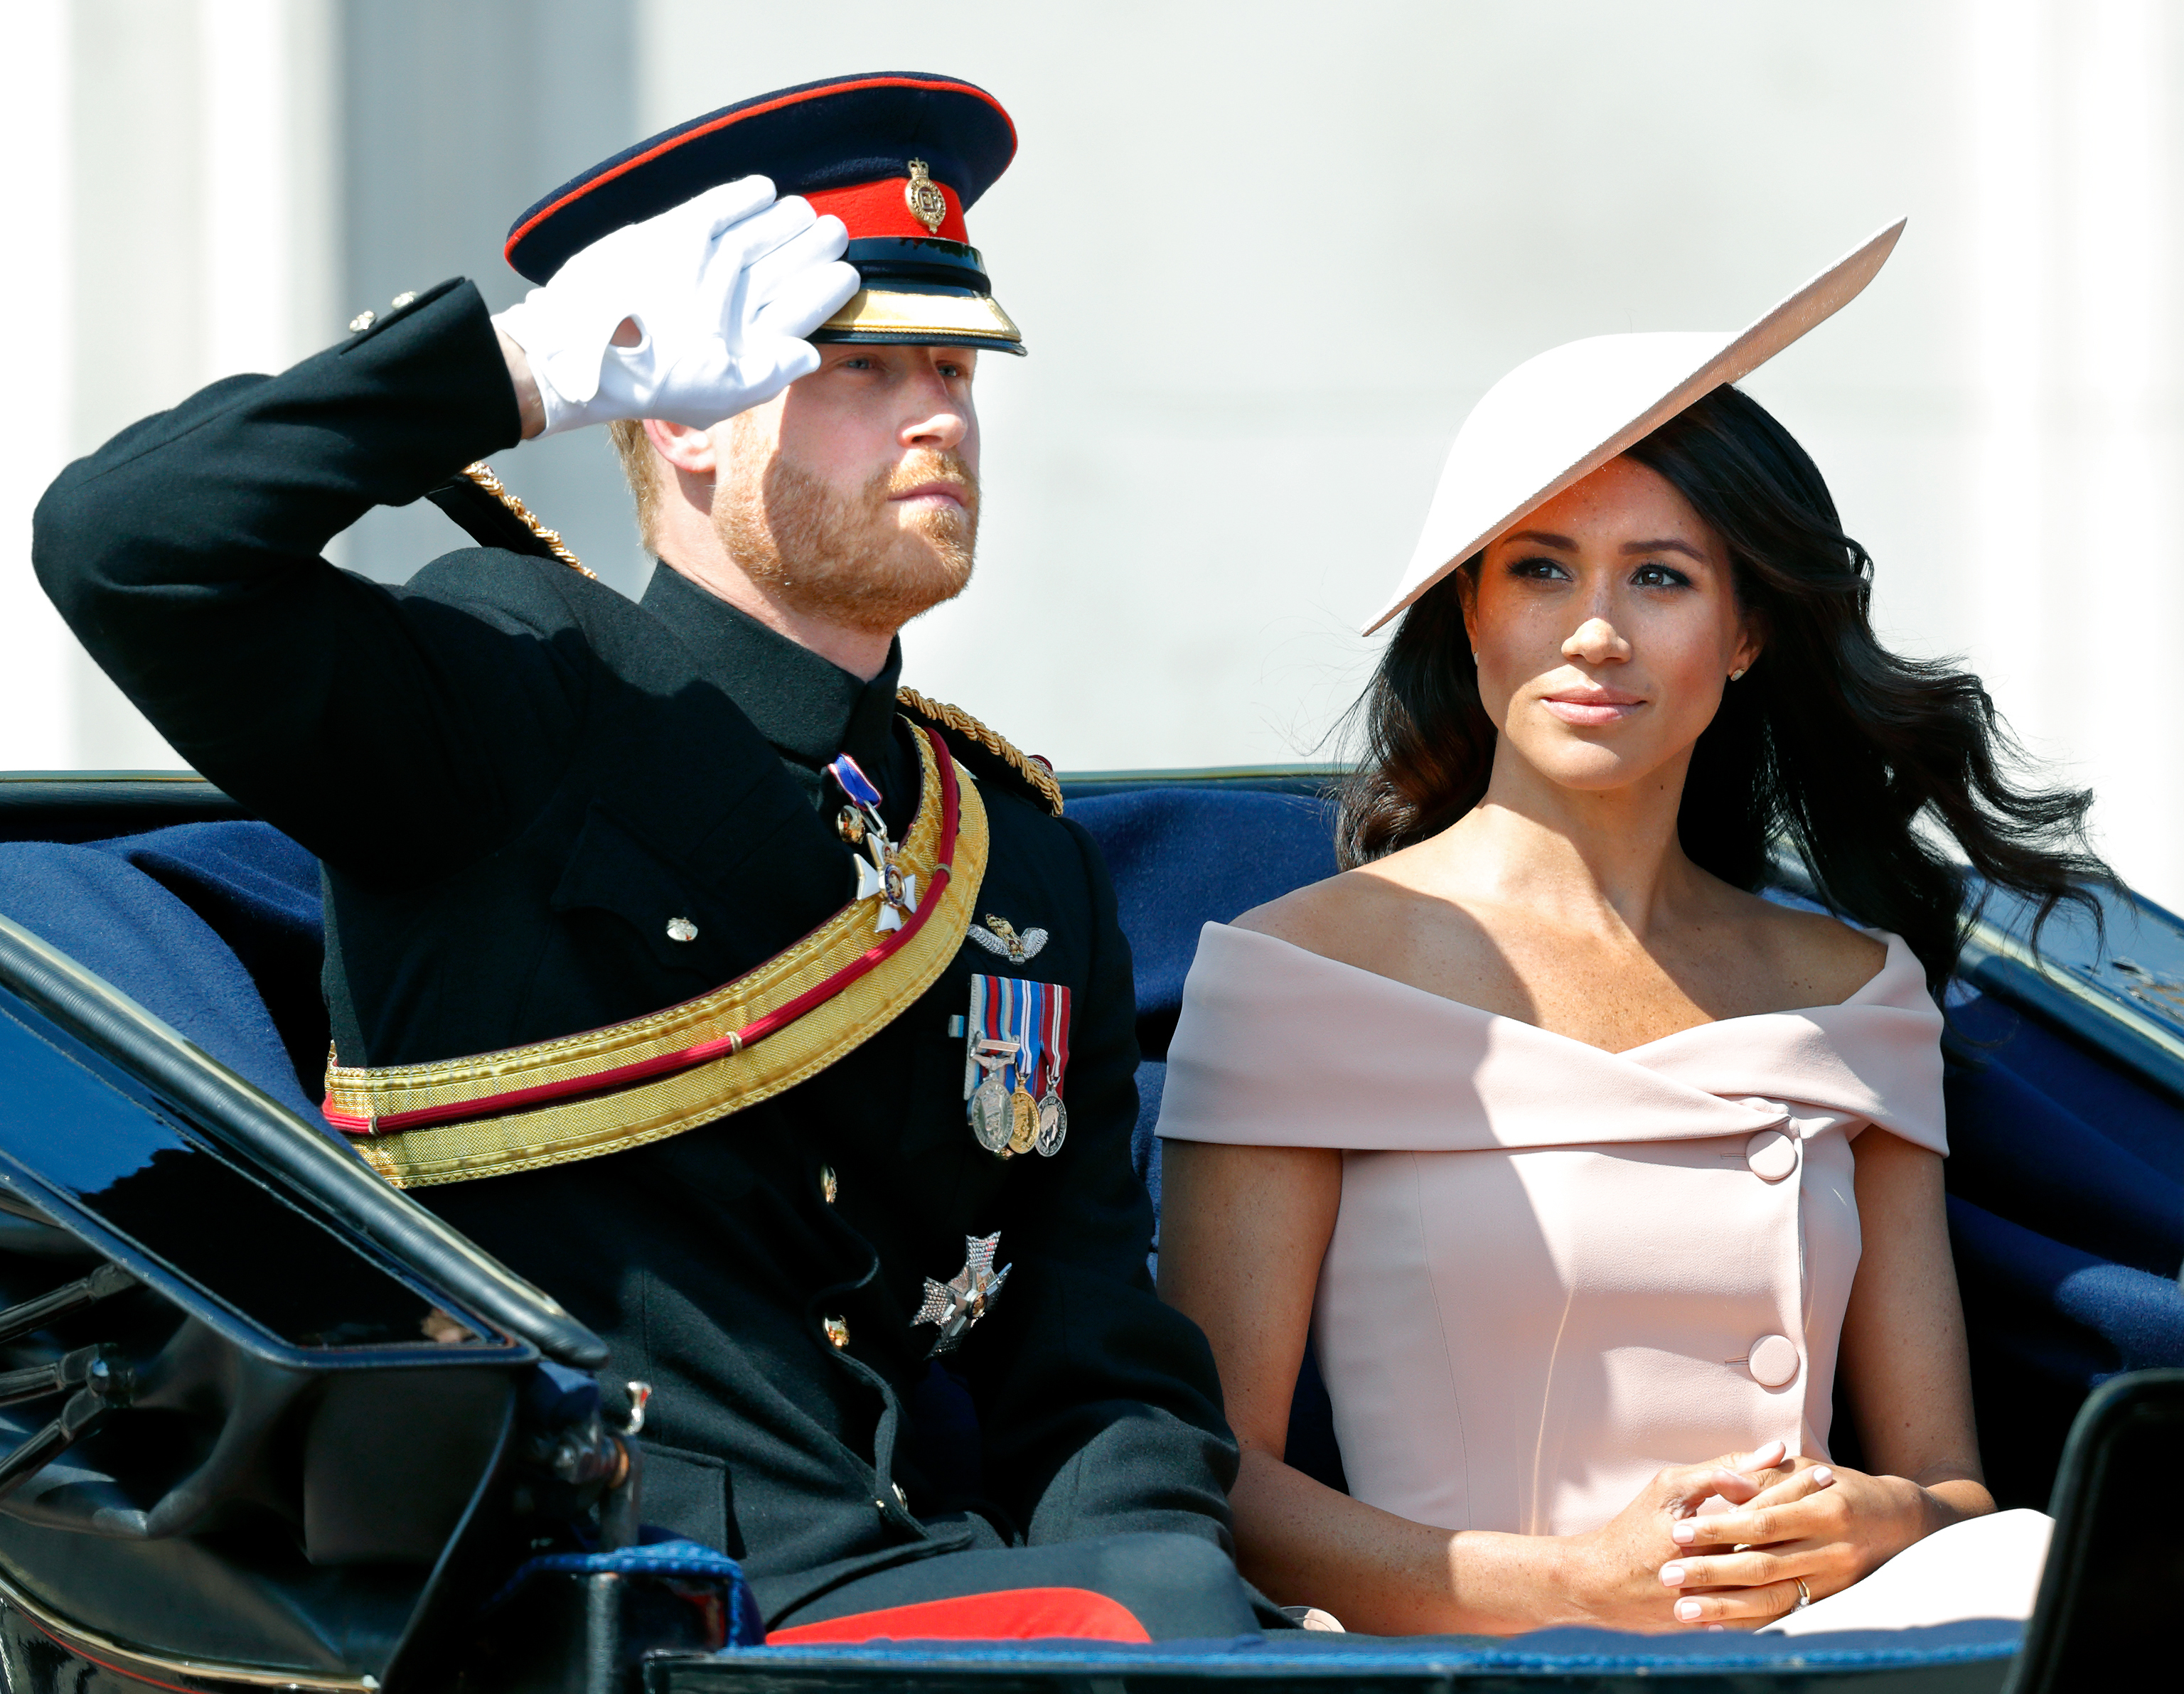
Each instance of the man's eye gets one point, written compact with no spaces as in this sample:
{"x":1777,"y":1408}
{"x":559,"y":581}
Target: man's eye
{"x":1660,"y":577}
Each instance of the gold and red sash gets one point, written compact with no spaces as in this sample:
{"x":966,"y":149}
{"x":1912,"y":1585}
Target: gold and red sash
{"x":604,"y":1091}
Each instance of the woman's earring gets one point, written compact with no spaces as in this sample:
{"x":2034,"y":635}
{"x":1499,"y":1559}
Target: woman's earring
{"x":1737,"y":675}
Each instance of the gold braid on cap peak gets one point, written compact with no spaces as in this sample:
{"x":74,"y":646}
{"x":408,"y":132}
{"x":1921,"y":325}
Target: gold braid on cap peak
{"x":1037,"y":773}
{"x":482,"y":474}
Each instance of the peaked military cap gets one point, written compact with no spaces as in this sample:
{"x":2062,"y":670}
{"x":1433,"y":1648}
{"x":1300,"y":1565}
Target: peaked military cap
{"x":898,"y":156}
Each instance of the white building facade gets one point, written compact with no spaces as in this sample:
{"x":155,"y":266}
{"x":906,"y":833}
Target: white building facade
{"x":1265,"y":259}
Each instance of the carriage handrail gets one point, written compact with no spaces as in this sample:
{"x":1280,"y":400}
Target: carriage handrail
{"x":262,"y":1131}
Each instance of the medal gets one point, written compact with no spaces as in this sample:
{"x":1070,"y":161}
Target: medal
{"x":991,"y":1113}
{"x":1053,"y":1123}
{"x":880,"y":875}
{"x":1015,"y":1053}
{"x":1053,"y":1115}
{"x":1025,"y":1111}
{"x":1028,"y":1002}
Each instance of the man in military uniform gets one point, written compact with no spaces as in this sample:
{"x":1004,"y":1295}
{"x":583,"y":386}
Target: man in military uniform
{"x":648,"y":924}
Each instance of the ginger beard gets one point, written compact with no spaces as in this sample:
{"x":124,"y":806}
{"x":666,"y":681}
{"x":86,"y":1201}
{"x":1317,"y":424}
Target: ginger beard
{"x":854,"y":559}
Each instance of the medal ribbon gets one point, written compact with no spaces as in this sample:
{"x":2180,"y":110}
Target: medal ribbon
{"x":1031,"y":1002}
{"x":998,"y":1024}
{"x":1057,"y":1036}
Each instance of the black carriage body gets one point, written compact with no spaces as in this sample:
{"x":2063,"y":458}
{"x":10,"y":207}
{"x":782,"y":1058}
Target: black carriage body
{"x":310,"y":1473}
{"x":316,"y":1383}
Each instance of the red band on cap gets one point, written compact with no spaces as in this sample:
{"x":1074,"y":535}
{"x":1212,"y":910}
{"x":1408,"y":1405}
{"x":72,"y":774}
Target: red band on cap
{"x":516,"y":236}
{"x":881,"y":208}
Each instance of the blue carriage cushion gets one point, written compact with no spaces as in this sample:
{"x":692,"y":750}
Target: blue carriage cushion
{"x":190,"y":923}
{"x":1183,"y":858}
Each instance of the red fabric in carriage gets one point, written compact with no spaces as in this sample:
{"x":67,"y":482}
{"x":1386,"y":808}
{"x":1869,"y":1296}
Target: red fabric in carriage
{"x":1015,"y":1614}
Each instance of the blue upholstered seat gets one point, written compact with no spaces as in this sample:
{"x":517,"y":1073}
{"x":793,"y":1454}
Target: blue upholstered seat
{"x":2066,"y":1181}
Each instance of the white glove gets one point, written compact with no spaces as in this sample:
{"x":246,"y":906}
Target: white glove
{"x":723,"y":289}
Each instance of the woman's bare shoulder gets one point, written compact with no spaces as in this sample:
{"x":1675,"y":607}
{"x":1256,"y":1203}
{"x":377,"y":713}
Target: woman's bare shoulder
{"x":1325,"y":916}
{"x":1822,"y":959}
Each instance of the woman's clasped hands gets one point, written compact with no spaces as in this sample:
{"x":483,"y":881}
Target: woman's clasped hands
{"x":1812,"y":1531}
{"x":1738,"y":1542}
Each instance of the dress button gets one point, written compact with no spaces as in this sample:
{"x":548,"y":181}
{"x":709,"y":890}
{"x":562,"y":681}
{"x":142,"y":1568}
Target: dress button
{"x":901,"y":1498}
{"x":837,"y":1331}
{"x":1774,"y":1361}
{"x":406,"y":297}
{"x":830,"y":1185}
{"x":362,"y":321}
{"x":682,"y":930}
{"x":1771,"y":1153}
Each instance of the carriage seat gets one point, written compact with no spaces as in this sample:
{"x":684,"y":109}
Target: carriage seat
{"x":2066,"y":1180}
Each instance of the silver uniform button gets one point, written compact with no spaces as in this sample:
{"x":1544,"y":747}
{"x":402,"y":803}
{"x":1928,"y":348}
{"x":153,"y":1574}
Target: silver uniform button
{"x":407,"y":297}
{"x":901,"y":1498}
{"x":362,"y":321}
{"x":837,"y":1331}
{"x":682,"y":930}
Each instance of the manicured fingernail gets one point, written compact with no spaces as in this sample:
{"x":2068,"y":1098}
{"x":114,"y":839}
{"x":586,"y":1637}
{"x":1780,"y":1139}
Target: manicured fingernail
{"x":1673,"y":1574}
{"x":1683,"y":1534}
{"x":1688,"y":1610}
{"x":1717,"y":1629}
{"x":1822,"y":1476}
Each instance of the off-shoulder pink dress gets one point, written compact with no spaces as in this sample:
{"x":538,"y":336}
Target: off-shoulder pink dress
{"x":1556,"y":1269}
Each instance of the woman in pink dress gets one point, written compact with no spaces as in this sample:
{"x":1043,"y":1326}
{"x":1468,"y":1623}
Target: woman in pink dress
{"x":1590,"y":1170}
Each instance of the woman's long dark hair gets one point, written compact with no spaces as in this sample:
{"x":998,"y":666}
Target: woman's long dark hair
{"x":1830,"y":742}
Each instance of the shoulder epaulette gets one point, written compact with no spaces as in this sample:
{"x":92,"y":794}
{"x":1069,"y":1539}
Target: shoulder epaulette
{"x":1003,"y":759}
{"x":485,"y":506}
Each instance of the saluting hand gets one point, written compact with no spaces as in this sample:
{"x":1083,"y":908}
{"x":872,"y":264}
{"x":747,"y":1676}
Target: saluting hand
{"x":692,"y":316}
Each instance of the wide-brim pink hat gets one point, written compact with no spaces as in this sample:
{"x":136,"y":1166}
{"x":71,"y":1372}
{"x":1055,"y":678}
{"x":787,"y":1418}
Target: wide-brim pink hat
{"x":1557,"y":418}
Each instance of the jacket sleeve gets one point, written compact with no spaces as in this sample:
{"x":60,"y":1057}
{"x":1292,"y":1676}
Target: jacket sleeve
{"x":391,"y":735}
{"x":1101,"y":1407}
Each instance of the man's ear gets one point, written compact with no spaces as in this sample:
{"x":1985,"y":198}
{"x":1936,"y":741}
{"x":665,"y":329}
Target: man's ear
{"x":691,"y":451}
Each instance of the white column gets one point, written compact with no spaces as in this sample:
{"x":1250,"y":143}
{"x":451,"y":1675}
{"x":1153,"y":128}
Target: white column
{"x":2117,"y":564}
{"x":35,"y":299}
{"x":266,"y":151}
{"x":247,"y":212}
{"x":2009,"y":142}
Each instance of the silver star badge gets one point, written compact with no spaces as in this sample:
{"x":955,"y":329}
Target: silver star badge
{"x":955,"y":1306}
{"x":1002,"y":937}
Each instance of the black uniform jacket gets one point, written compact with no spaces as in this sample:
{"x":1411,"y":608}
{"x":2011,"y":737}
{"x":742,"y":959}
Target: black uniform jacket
{"x":515,"y":776}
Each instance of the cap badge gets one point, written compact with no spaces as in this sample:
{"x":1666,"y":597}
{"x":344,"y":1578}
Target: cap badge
{"x":923,"y":195}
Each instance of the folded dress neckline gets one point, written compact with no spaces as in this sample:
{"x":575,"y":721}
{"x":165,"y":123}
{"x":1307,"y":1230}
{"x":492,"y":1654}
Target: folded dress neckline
{"x":1899,"y":956}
